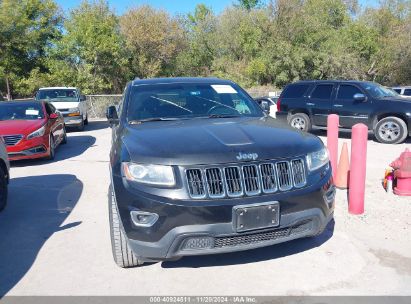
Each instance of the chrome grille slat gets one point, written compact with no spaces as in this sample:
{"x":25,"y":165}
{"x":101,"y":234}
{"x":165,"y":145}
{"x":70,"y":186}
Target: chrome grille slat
{"x":233,"y":181}
{"x":251,"y":180}
{"x":268,"y":178}
{"x":245,"y":179}
{"x":297,"y":166}
{"x":214,"y":183}
{"x":12,"y":140}
{"x":195,"y":183}
{"x":284,"y":175}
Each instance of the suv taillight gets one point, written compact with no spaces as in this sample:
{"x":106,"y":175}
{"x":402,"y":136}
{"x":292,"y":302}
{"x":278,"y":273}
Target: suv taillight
{"x":278,"y":104}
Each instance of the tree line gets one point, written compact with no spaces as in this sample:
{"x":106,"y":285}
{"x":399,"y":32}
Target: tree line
{"x":252,"y":42}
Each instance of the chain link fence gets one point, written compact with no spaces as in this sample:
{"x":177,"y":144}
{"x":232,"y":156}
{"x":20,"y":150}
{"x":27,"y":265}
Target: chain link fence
{"x":97,"y":104}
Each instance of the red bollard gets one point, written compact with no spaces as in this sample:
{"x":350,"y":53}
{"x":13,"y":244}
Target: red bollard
{"x":332,"y":141}
{"x":356,"y":194}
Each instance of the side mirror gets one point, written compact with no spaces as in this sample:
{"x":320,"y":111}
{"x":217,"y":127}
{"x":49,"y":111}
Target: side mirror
{"x":265,"y":105}
{"x":54,"y":116}
{"x":82,"y":97}
{"x":360,"y":97}
{"x":112,"y":115}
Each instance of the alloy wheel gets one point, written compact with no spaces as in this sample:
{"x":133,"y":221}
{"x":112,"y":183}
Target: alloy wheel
{"x":390,"y":131}
{"x":298,"y":123}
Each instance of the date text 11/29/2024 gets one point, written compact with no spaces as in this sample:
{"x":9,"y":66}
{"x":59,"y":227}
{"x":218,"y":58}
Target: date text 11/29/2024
{"x":203,"y":299}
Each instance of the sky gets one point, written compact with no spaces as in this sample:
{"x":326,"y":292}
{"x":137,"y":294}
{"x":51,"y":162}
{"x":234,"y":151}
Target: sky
{"x":172,"y":6}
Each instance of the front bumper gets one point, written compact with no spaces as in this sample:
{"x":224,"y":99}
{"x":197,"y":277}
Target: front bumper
{"x":73,"y":121}
{"x":220,"y":237}
{"x":303,"y":212}
{"x":29,"y":149}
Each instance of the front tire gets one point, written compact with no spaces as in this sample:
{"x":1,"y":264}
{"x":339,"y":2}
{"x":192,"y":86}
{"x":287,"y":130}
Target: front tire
{"x":3,"y":189}
{"x":52,"y":148}
{"x":122,"y":254}
{"x":86,"y":120}
{"x":64,"y":140}
{"x":300,"y":121}
{"x":81,"y":126}
{"x":391,"y":130}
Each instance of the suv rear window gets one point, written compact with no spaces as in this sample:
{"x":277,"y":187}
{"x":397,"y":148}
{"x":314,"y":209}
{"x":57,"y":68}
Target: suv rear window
{"x":322,"y":91}
{"x":295,"y":90}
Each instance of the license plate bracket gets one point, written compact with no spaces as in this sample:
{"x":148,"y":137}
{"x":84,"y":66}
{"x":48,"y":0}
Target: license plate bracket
{"x":258,"y":216}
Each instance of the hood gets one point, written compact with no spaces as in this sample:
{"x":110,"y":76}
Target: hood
{"x":65,"y":104}
{"x":24,"y":127}
{"x":216,"y":141}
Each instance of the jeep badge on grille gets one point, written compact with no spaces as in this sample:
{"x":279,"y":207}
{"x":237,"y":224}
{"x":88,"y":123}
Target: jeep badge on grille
{"x":247,"y":156}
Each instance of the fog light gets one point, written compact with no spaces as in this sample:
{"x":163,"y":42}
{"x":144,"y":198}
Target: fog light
{"x":143,"y":219}
{"x":198,"y":243}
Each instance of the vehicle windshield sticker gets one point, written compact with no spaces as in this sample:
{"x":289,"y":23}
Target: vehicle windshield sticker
{"x":223,"y":89}
{"x":32,"y":112}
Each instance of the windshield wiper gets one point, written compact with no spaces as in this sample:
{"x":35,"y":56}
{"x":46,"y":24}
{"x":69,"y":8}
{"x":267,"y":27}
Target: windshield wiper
{"x":139,"y":121}
{"x":223,"y":116}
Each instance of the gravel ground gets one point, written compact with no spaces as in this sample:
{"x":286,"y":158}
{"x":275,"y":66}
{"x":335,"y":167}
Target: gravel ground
{"x":55,"y":239}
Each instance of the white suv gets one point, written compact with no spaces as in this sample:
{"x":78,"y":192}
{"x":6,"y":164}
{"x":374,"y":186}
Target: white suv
{"x":69,"y":102}
{"x":4,"y":174}
{"x":406,"y":91}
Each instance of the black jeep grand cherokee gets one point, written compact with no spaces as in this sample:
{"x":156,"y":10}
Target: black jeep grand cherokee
{"x":198,"y":168}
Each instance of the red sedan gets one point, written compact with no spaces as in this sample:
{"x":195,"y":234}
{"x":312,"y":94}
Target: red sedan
{"x":31,"y":129}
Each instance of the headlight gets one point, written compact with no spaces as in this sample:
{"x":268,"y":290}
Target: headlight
{"x":149,"y":174}
{"x":37,"y":133}
{"x":317,"y":159}
{"x":74,"y":112}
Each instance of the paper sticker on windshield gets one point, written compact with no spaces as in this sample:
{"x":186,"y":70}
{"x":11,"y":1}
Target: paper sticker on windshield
{"x":223,"y":89}
{"x":32,"y":112}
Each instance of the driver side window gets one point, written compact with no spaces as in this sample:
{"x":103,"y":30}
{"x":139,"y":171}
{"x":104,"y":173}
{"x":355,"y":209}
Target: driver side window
{"x":347,"y":92}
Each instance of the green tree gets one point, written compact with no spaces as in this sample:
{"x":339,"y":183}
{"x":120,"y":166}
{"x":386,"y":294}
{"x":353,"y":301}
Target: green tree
{"x":27,"y":28}
{"x":91,"y":53}
{"x":153,"y":39}
{"x":200,"y":31}
{"x":249,"y":4}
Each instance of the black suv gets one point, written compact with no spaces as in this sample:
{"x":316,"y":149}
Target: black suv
{"x":198,"y":168}
{"x":308,"y":103}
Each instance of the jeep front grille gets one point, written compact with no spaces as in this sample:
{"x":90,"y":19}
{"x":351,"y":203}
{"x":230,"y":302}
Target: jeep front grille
{"x":247,"y":179}
{"x":12,"y":140}
{"x":195,"y":183}
{"x":284,"y":176}
{"x":214,"y":182}
{"x":233,"y":181}
{"x":298,"y":172}
{"x":251,"y":180}
{"x":268,"y":178}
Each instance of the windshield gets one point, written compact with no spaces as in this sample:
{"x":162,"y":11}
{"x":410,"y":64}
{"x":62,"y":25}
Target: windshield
{"x":68,"y":95}
{"x":185,"y":101}
{"x":378,"y":91}
{"x":21,"y":111}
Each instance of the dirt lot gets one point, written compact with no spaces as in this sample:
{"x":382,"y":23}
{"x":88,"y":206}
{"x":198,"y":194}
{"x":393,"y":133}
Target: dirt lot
{"x":54,"y":239}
